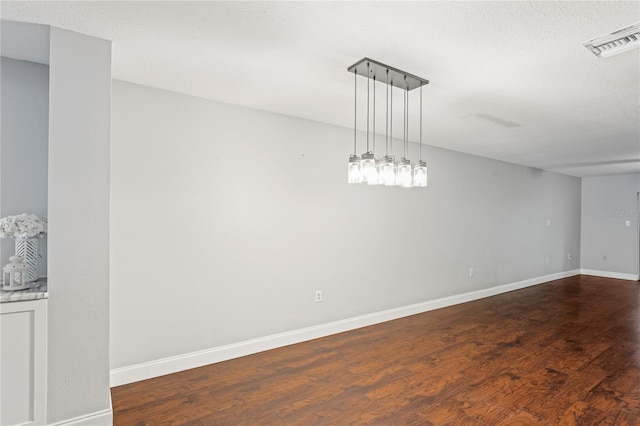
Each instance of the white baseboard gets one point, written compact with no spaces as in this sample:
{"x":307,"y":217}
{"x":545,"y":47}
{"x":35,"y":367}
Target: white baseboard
{"x":100,"y":418}
{"x":608,"y":274}
{"x":147,"y":370}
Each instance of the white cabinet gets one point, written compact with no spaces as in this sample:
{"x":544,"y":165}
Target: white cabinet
{"x":23,"y":362}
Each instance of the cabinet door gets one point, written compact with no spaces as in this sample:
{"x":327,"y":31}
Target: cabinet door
{"x":23,"y":358}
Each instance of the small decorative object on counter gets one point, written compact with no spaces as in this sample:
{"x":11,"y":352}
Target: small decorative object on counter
{"x":15,"y":274}
{"x":26,"y":228}
{"x":27,"y":248}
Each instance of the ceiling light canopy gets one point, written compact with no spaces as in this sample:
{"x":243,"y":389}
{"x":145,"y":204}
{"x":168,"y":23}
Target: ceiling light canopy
{"x":385,"y":170}
{"x":615,"y":43}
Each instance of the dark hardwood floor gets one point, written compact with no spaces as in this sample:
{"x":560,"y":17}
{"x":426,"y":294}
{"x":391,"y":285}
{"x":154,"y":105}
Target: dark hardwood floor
{"x":565,"y":352}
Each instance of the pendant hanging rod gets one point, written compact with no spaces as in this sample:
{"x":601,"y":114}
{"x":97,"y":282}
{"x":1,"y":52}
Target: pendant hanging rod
{"x":395,"y":77}
{"x":368,"y":109}
{"x":420,"y":155}
{"x":355,"y":112}
{"x":406,"y":141}
{"x":386,"y":123}
{"x":391,"y":122}
{"x":373,"y":147}
{"x":404,"y":124}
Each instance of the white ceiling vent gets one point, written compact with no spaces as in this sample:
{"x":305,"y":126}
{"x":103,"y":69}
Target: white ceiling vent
{"x":617,"y":42}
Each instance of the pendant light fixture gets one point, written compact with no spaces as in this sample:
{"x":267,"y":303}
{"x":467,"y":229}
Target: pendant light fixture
{"x":375,"y":178}
{"x":369,"y":171}
{"x":387,"y":168}
{"x":420,"y":169}
{"x":404,"y":178}
{"x":354,"y":171}
{"x":386,"y":171}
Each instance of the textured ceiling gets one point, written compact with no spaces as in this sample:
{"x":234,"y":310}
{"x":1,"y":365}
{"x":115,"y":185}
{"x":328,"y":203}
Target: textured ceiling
{"x":509,"y":80}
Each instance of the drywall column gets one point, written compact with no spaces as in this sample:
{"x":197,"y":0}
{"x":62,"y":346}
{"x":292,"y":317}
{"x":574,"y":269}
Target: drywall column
{"x":79,"y":143}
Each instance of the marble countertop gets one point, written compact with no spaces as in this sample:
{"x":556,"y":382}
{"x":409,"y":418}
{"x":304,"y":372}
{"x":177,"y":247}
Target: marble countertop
{"x":38,"y":290}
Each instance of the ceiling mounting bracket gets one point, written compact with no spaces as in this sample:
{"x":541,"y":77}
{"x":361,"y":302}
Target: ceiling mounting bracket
{"x":396,"y":78}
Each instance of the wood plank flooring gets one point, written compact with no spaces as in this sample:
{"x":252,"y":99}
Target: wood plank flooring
{"x":561,"y":353}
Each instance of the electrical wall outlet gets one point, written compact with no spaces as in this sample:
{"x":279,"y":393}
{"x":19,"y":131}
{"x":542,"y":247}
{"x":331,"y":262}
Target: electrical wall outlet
{"x":318,"y":296}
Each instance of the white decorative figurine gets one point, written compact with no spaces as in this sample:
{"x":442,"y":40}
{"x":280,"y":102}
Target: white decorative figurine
{"x":16,"y":270}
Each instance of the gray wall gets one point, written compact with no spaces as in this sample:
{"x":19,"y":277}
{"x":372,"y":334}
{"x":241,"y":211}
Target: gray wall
{"x":608,"y":203}
{"x":24,"y":137}
{"x":202,"y":256}
{"x":79,"y":134}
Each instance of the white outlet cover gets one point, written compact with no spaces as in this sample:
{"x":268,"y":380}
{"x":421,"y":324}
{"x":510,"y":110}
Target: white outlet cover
{"x":627,"y":223}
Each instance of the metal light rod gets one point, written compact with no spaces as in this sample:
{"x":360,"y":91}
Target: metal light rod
{"x":394,"y":77}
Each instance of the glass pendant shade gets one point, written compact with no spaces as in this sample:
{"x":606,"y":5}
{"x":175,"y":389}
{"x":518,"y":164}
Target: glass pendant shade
{"x":404,"y":173}
{"x":375,"y":177}
{"x":376,"y":180}
{"x":369,"y":172}
{"x":396,"y":182}
{"x":420,"y":174}
{"x":387,"y":171}
{"x":354,"y":172}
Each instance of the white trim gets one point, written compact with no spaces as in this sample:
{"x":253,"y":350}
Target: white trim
{"x":608,"y":274}
{"x":160,"y":367}
{"x":99,"y":418}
